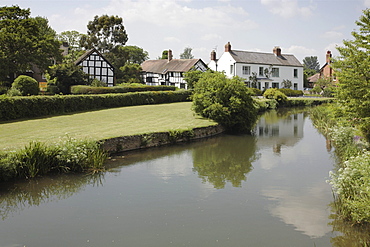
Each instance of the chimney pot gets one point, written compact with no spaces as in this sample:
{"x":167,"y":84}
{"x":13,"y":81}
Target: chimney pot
{"x":169,"y":55}
{"x":328,"y":57}
{"x":213,"y":55}
{"x":228,"y":47}
{"x":277,"y":51}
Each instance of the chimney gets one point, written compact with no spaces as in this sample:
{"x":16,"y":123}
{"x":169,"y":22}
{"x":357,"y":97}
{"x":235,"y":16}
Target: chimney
{"x":277,"y":51}
{"x":228,"y":47}
{"x":213,"y":55}
{"x":328,"y":57}
{"x":169,"y":55}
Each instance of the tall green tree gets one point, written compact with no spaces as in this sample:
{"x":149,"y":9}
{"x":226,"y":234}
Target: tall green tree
{"x":131,"y":73}
{"x":104,"y":33}
{"x":311,"y":63}
{"x":25,"y":41}
{"x":353,"y":73}
{"x":187,"y":53}
{"x":72,"y":38}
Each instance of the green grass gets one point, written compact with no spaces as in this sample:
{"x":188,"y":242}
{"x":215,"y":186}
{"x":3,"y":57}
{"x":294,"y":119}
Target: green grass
{"x":103,"y":124}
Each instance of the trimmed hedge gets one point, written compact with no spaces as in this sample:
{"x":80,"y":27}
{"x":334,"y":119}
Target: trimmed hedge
{"x":83,"y":89}
{"x":36,"y":106}
{"x":290,"y":92}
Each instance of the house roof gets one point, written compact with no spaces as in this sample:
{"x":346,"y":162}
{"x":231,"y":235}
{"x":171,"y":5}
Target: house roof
{"x":265,"y":58}
{"x":88,"y":53}
{"x":162,"y":66}
{"x":314,"y":78}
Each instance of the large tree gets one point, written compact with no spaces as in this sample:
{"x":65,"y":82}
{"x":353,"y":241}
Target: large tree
{"x":311,"y":63}
{"x":25,"y":41}
{"x":187,"y":53}
{"x":72,"y":38}
{"x":104,"y":33}
{"x":353,"y":74}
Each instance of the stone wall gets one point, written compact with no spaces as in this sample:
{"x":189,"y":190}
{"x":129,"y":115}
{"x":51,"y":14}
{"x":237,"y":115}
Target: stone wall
{"x":126,"y":143}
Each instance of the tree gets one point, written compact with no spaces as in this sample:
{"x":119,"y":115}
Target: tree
{"x":66,"y":75}
{"x":187,"y":53}
{"x":311,"y":63}
{"x":164,"y":54}
{"x":226,"y":101}
{"x":286,"y":83}
{"x":131,"y":73}
{"x":192,"y":77}
{"x":25,"y":41}
{"x":253,"y":81}
{"x":352,"y":70}
{"x":104,"y":33}
{"x":353,"y":74}
{"x":72,"y":38}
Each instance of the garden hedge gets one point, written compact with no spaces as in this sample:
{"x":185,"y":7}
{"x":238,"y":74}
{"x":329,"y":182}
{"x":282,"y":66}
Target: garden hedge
{"x":83,"y":89}
{"x":36,"y":106}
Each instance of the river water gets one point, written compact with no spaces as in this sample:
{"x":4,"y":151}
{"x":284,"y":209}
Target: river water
{"x":268,"y":189}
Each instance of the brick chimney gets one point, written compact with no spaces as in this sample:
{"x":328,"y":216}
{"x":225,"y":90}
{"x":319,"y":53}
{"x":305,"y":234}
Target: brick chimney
{"x":277,"y":51}
{"x":228,"y":47}
{"x":213,"y":55}
{"x":328,"y":57}
{"x":169,"y":55}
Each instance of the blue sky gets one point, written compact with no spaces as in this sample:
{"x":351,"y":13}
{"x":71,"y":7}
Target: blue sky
{"x":299,"y":27}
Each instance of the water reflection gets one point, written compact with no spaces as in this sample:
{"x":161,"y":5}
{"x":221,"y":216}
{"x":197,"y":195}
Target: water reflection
{"x":227,"y":159}
{"x":24,"y":194}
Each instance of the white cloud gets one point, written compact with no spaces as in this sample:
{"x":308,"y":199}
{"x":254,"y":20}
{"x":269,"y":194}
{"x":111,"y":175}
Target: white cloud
{"x":288,"y":8}
{"x":332,"y":35}
{"x":210,"y":36}
{"x":172,"y":39}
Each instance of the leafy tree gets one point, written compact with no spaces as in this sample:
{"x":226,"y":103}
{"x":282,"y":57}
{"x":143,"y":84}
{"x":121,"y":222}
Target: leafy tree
{"x":104,"y":33}
{"x":226,"y":101}
{"x":72,"y":38}
{"x":353,"y":74}
{"x":25,"y":41}
{"x":131,"y":73}
{"x":192,"y":77}
{"x":286,"y":83}
{"x":187,"y":53}
{"x":311,"y":63}
{"x":164,"y":55}
{"x":253,"y":80}
{"x":134,"y":54}
{"x":66,"y":75}
{"x":26,"y":85}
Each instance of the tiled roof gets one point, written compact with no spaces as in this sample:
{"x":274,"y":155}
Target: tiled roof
{"x":162,"y":66}
{"x":265,"y":58}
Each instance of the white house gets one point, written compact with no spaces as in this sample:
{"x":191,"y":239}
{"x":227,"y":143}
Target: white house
{"x":270,"y":69}
{"x":169,"y":71}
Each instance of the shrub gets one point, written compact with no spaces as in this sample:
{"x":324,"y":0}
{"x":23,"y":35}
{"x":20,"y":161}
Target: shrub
{"x":274,"y":93}
{"x":226,"y":101}
{"x":26,"y":85}
{"x":14,"y":92}
{"x":255,"y":91}
{"x":328,"y":92}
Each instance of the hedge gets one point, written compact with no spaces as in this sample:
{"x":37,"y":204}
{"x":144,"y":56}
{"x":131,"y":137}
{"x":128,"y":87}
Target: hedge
{"x":290,"y":92}
{"x":83,"y":89}
{"x":36,"y":106}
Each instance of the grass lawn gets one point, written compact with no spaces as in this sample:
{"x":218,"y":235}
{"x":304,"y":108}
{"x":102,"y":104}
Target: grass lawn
{"x":102,"y":124}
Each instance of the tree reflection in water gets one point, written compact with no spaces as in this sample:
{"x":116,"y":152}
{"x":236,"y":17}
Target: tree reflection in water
{"x":227,"y":159}
{"x":17,"y":196}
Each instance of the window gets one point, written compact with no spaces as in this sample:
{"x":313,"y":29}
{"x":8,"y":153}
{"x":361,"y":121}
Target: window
{"x":275,"y":85}
{"x":260,"y":70}
{"x":231,"y":69}
{"x":295,"y":86}
{"x":149,"y":79}
{"x":266,"y":85}
{"x":182,"y":85}
{"x":246,"y":70}
{"x":275,"y":72}
{"x":295,"y":73}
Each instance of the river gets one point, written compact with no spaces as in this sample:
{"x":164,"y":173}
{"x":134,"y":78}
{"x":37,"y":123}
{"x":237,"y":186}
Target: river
{"x":268,"y":189}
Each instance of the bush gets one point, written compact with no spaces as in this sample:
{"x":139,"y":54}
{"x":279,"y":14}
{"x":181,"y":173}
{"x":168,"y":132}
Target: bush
{"x":226,"y":101}
{"x":328,"y":92}
{"x":290,"y":92}
{"x":26,"y":85}
{"x":274,"y":93}
{"x":255,"y":91}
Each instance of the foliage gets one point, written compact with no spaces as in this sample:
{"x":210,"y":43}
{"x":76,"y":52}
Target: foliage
{"x":164,"y":54}
{"x":352,"y":71}
{"x":72,"y":38}
{"x":187,"y":54}
{"x":67,"y":75}
{"x":13,"y":92}
{"x":311,"y":63}
{"x":35,"y":106}
{"x":26,"y":85}
{"x":131,"y":73}
{"x":25,"y":41}
{"x":122,"y":88}
{"x":253,"y":80}
{"x":226,"y":101}
{"x":192,"y":77}
{"x":317,"y":89}
{"x":38,"y":159}
{"x":286,"y":83}
{"x":306,"y":74}
{"x":274,"y":93}
{"x":328,"y":92}
{"x":290,"y":92}
{"x":255,"y":91}
{"x":324,"y":82}
{"x":104,"y":33}
{"x":96,"y":83}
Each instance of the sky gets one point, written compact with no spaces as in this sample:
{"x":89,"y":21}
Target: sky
{"x":300,"y":27}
